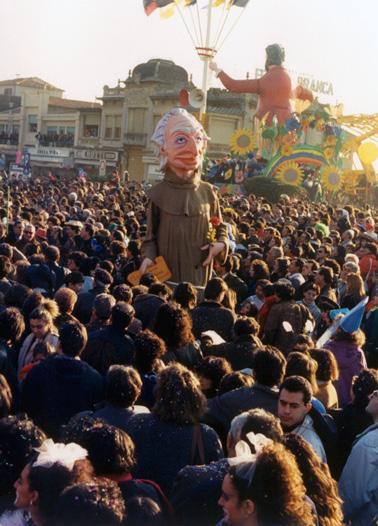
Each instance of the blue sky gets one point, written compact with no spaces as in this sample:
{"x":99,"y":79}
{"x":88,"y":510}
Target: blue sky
{"x":81,"y":45}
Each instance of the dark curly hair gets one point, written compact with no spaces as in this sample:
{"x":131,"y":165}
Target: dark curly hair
{"x":179,"y":398}
{"x":174,"y":325}
{"x":149,"y":348}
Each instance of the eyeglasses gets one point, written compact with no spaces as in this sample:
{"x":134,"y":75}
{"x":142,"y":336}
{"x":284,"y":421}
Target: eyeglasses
{"x":28,"y":232}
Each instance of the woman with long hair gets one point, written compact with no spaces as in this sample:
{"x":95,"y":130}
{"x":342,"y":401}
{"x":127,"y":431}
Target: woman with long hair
{"x":171,"y":436}
{"x":355,"y":291}
{"x":267,"y":491}
{"x":53,"y":468}
{"x":326,"y":373}
{"x":320,"y":486}
{"x":173,"y":325}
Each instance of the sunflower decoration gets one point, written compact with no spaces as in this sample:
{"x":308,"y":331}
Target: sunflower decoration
{"x":332,"y":179}
{"x":331,"y":140}
{"x":286,"y":150}
{"x":243,"y":141}
{"x":329,"y":153}
{"x":290,"y":173}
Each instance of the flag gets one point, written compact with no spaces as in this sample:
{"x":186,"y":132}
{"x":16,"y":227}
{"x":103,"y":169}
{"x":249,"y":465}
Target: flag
{"x":151,"y":5}
{"x":238,"y":3}
{"x":167,"y":12}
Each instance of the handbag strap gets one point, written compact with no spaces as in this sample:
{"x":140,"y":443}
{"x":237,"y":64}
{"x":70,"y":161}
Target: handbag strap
{"x":197,"y":445}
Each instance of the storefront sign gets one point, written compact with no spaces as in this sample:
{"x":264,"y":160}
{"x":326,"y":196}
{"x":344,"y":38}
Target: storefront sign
{"x":96,"y":155}
{"x":48,"y":153}
{"x":317,"y":86}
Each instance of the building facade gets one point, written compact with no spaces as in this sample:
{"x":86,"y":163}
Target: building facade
{"x":63,"y":135}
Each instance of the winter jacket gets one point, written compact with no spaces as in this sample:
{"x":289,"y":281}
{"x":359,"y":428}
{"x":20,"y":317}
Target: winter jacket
{"x":212,"y":316}
{"x":351,"y":361}
{"x":146,"y":307}
{"x":358,"y":484}
{"x":59,"y":388}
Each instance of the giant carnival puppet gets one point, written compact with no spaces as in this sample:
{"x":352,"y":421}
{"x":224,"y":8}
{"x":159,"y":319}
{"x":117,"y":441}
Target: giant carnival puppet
{"x":274,"y":88}
{"x":184,"y":223}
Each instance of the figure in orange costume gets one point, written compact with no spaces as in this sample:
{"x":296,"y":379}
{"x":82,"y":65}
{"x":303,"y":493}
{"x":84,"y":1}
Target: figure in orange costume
{"x":274,"y":88}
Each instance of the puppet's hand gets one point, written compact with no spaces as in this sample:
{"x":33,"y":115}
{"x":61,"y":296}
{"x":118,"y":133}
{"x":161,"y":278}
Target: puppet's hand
{"x":214,"y":67}
{"x":214,"y":249}
{"x":145,"y":264}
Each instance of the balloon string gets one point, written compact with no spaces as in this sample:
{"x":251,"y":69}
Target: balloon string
{"x":225,"y":15}
{"x":198,"y":38}
{"x":202,"y":42}
{"x":185,"y":24}
{"x":232,"y":28}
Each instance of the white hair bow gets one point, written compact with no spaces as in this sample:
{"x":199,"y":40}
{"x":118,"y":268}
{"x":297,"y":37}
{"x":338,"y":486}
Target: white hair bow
{"x":64,"y":454}
{"x":244,"y":456}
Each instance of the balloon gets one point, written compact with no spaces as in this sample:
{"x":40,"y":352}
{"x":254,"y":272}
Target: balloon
{"x":269,"y":133}
{"x":368,"y":152}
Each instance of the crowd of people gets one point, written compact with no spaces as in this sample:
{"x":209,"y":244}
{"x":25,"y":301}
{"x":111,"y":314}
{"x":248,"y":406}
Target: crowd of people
{"x":157,"y":405}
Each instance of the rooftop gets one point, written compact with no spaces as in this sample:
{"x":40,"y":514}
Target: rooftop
{"x":30,"y":82}
{"x":73,"y":104}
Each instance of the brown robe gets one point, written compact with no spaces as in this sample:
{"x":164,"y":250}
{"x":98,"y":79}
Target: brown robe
{"x":178,"y":220}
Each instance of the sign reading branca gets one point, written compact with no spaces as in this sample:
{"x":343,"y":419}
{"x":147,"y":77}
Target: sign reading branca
{"x":317,"y":86}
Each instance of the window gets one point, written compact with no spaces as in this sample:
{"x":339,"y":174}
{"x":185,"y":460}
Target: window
{"x":136,"y":120}
{"x":108,"y":126}
{"x":70,"y":130}
{"x":117,"y":126}
{"x":52,"y":130}
{"x":8,"y":91}
{"x":33,"y":123}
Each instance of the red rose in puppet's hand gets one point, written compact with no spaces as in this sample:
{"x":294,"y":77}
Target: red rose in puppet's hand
{"x":215,"y":221}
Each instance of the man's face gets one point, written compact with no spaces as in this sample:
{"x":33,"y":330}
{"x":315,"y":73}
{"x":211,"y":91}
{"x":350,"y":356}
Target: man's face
{"x":18,"y":229}
{"x":292,"y":267}
{"x":184,"y":145}
{"x":307,"y":269}
{"x":319,"y":280}
{"x":84,"y":234}
{"x":29,"y":231}
{"x":259,"y":292}
{"x":372,"y":407}
{"x":292,"y":409}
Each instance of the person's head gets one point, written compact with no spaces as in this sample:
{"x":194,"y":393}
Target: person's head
{"x":160,"y":289}
{"x":259,"y":270}
{"x":355,"y":285}
{"x":42,"y":480}
{"x":210,"y":372}
{"x":181,"y":141}
{"x":5,"y":267}
{"x":356,"y":338}
{"x":87,"y":231}
{"x":260,"y":285}
{"x":320,"y":486}
{"x":66,"y":300}
{"x":41,"y":351}
{"x":29,"y":232}
{"x":179,"y":398}
{"x":185,"y":295}
{"x":300,"y":364}
{"x":12,"y":325}
{"x":234,"y":380}
{"x":261,"y":421}
{"x":18,"y":438}
{"x":102,"y":278}
{"x":215,"y":290}
{"x":95,"y":503}
{"x":123,"y":292}
{"x":275,"y":55}
{"x":110,"y":450}
{"x":269,"y":366}
{"x":72,"y":339}
{"x":267,"y":491}
{"x":362,"y":387}
{"x":245,"y":325}
{"x":310,"y":293}
{"x":372,"y":407}
{"x":74,"y":281}
{"x":328,"y":370}
{"x":294,"y":401}
{"x":284,"y":291}
{"x":102,"y":306}
{"x":173,"y":325}
{"x":123,"y":386}
{"x":52,"y":253}
{"x":149,"y":349}
{"x":122,"y":315}
{"x":41,"y":322}
{"x":324,"y":277}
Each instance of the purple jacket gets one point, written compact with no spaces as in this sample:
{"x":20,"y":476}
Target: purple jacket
{"x":351,"y":361}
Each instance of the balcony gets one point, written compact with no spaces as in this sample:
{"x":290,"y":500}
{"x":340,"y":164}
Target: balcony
{"x":135,"y":139}
{"x":9,"y":138}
